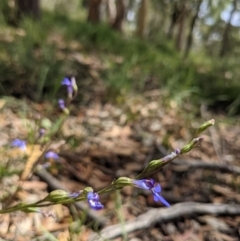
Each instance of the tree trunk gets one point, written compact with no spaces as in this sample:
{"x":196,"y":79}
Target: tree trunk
{"x":94,"y":11}
{"x":117,"y":24}
{"x":142,"y":12}
{"x":30,"y":8}
{"x":225,"y":36}
{"x":192,"y":25}
{"x":180,"y":22}
{"x":174,"y":19}
{"x":111,"y":11}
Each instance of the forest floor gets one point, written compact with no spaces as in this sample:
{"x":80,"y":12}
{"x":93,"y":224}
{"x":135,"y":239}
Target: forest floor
{"x":102,"y":141}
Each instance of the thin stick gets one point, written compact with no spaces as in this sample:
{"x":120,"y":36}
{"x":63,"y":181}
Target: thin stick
{"x":160,"y":215}
{"x":208,"y":165}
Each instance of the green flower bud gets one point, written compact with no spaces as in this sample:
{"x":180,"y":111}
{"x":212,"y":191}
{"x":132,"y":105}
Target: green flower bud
{"x":86,"y":190}
{"x":122,"y":182}
{"x":74,"y":84}
{"x":57,"y":196}
{"x":153,"y":165}
{"x":205,"y":126}
{"x":46,"y":124}
{"x":192,"y":144}
{"x":151,"y":168}
{"x":66,"y":111}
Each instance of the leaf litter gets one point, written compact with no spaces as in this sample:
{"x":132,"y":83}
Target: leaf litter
{"x":105,"y":141}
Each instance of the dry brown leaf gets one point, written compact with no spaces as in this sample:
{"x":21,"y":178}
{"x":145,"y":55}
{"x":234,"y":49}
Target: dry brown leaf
{"x":63,"y":236}
{"x":2,"y":103}
{"x":4,"y":224}
{"x":34,"y":185}
{"x":118,"y":131}
{"x":226,"y":191}
{"x":33,"y":152}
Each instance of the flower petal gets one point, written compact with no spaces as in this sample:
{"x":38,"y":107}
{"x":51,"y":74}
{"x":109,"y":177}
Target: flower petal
{"x":61,"y":104}
{"x":66,"y":81}
{"x":19,"y":143}
{"x":93,"y":200}
{"x":158,"y":198}
{"x":157,"y":188}
{"x":95,"y":205}
{"x":146,"y":184}
{"x":51,"y":155}
{"x":70,"y":89}
{"x":93,"y":196}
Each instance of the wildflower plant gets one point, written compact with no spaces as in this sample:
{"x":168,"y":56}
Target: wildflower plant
{"x":19,"y":144}
{"x":71,"y":85}
{"x":41,"y":132}
{"x":149,"y":184}
{"x":87,"y":194}
{"x":51,"y":155}
{"x":93,"y":200}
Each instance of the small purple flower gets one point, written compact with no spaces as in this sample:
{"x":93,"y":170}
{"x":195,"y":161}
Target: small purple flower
{"x":61,"y":104}
{"x":157,"y":197}
{"x":19,"y":143}
{"x":51,"y":155}
{"x":149,"y":184}
{"x":93,"y":200}
{"x":69,"y":85}
{"x":42,"y":131}
{"x":146,"y":184}
{"x":66,"y":81}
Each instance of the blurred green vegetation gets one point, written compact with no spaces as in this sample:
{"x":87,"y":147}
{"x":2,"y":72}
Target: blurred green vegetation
{"x":35,"y":55}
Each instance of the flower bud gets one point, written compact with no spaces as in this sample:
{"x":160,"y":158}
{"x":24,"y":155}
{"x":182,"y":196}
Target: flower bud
{"x":205,"y":126}
{"x":192,"y":144}
{"x":122,"y":182}
{"x":56,"y":196}
{"x":74,"y":84}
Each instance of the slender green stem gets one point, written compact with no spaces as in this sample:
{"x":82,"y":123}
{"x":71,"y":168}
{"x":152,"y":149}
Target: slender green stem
{"x":62,"y":197}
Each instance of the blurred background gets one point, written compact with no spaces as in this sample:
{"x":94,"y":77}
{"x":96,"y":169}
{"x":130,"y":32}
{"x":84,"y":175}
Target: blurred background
{"x":149,"y":72}
{"x":188,"y":49}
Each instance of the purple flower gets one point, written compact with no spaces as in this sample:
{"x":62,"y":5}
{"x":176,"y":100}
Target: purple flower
{"x":69,"y":85}
{"x":51,"y":155}
{"x":149,"y":184}
{"x":19,"y":143}
{"x":66,"y":81}
{"x":42,"y":131}
{"x":157,"y":197}
{"x":93,"y":200}
{"x":61,"y":104}
{"x":146,"y":184}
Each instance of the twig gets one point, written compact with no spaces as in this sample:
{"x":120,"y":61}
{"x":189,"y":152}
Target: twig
{"x":53,"y":183}
{"x":208,"y":165}
{"x":160,"y":215}
{"x":215,"y":137}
